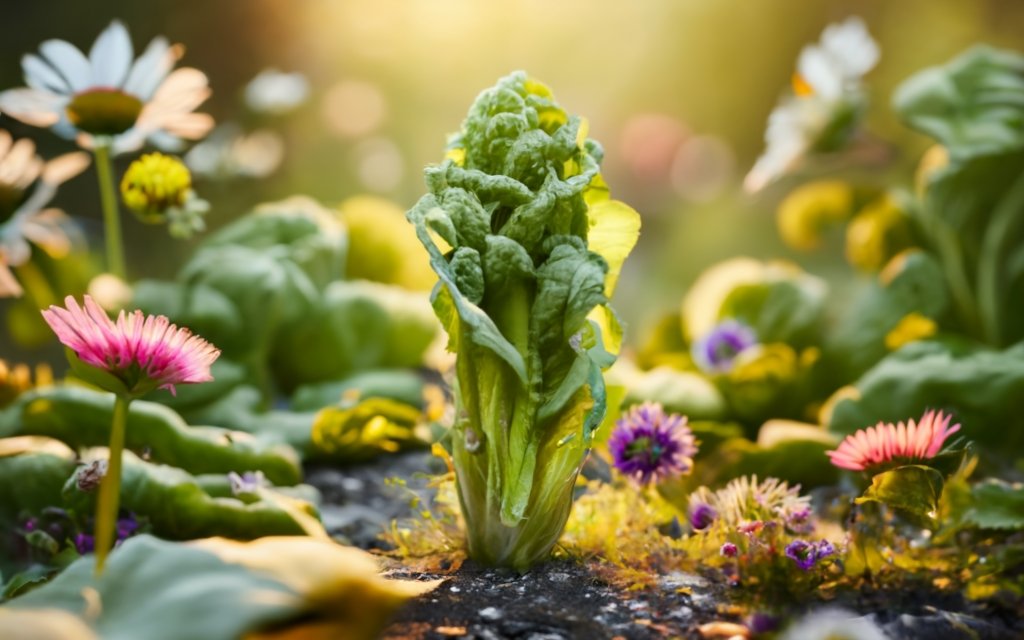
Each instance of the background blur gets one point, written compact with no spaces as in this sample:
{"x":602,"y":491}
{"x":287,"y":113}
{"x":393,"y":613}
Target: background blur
{"x":677,"y":91}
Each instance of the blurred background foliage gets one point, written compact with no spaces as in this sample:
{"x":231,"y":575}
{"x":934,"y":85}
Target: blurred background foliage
{"x":678,"y":91}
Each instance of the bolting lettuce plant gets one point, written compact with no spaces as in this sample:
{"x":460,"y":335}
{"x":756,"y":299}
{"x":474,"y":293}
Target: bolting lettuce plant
{"x":527,"y":246}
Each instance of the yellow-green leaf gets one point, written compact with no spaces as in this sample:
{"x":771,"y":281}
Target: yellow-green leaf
{"x":614,"y":229}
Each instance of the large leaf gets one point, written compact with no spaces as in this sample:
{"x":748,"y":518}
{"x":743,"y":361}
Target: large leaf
{"x":972,"y":105}
{"x":33,"y":470}
{"x":912,"y":283}
{"x":179,"y":508}
{"x":219,"y":590}
{"x":982,"y":387}
{"x":997,"y":505}
{"x":912,"y":490}
{"x":778,"y":300}
{"x":82,"y":417}
{"x":356,"y":326}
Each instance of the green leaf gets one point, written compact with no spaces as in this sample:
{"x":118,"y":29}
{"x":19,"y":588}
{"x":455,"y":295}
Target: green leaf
{"x":82,"y":417}
{"x":160,"y":590}
{"x":913,"y":284}
{"x":981,"y":387}
{"x":972,"y":105}
{"x":997,"y":505}
{"x":913,"y":490}
{"x":32,"y":472}
{"x":178,"y":508}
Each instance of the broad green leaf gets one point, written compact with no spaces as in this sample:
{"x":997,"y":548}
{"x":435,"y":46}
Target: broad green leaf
{"x":997,"y":505}
{"x":913,"y":490}
{"x":981,"y":387}
{"x":164,"y":591}
{"x":82,"y":417}
{"x":972,"y":105}
{"x":33,"y":470}
{"x":178,"y":508}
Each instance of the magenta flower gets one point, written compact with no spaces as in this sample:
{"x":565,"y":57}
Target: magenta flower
{"x":130,"y":358}
{"x":649,"y":444}
{"x":887,"y":443}
{"x":729,"y":550}
{"x":142,"y":352}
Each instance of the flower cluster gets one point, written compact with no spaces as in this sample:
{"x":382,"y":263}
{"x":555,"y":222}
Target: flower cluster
{"x":746,"y":502}
{"x":649,"y":445}
{"x":887,"y":444}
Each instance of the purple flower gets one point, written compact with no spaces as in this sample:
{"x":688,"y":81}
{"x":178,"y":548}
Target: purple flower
{"x":715,"y":351}
{"x":729,"y":550}
{"x":126,"y":527}
{"x":648,"y":444}
{"x":803,"y":553}
{"x":824,"y":549}
{"x":799,"y":521}
{"x":759,"y":623}
{"x":701,"y":515}
{"x":249,"y":482}
{"x":84,"y":543}
{"x":31,"y":524}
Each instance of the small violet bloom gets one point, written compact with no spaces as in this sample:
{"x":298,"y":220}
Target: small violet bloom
{"x":729,"y":550}
{"x":806,"y":554}
{"x":648,"y":444}
{"x":716,"y":350}
{"x":701,"y":515}
{"x":84,"y":543}
{"x":882,"y":444}
{"x":249,"y":482}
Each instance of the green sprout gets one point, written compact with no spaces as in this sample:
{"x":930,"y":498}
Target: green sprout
{"x":527,"y":246}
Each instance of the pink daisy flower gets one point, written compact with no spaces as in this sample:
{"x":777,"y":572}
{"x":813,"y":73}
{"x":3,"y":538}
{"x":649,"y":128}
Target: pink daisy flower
{"x":886,"y":442}
{"x":143,"y":352}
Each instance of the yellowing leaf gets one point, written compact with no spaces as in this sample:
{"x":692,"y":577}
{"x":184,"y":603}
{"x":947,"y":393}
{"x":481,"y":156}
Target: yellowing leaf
{"x":614,"y":230}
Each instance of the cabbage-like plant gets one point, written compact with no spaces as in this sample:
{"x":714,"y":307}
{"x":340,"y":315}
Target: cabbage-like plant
{"x":527,"y":246}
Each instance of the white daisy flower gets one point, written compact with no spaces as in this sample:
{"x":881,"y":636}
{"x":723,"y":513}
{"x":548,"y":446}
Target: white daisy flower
{"x":108,"y":99}
{"x":825,"y":105}
{"x":276,"y":92}
{"x":834,"y":624}
{"x":27,"y":184}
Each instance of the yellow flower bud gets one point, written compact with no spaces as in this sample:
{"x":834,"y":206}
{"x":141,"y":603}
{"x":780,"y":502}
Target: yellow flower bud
{"x":17,"y":379}
{"x":911,"y":328}
{"x":154,"y":184}
{"x":810,"y":209}
{"x":880,"y":231}
{"x":934,"y":159}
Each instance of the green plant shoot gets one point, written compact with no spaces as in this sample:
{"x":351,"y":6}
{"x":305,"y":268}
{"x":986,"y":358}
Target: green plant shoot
{"x":527,"y":246}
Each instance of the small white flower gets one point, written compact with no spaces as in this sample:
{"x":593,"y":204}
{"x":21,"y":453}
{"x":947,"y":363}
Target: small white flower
{"x":276,"y":92}
{"x":825,"y":104}
{"x":833,"y":624}
{"x":229,"y":153}
{"x":108,"y":96}
{"x":27,"y":184}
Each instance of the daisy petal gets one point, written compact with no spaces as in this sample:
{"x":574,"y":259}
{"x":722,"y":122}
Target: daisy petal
{"x":41,"y":76}
{"x":111,"y":56}
{"x":69,"y":62}
{"x":37,"y":108}
{"x":150,"y":69}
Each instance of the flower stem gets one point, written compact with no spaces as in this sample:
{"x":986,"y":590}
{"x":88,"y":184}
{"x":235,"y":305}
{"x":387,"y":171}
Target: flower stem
{"x":110,"y":487}
{"x":111,"y":218}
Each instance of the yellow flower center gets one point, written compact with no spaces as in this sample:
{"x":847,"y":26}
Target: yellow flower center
{"x":104,"y":112}
{"x":801,"y":87}
{"x":155,"y":183}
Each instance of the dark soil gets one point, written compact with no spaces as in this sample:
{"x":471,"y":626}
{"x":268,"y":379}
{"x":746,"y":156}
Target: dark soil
{"x":567,"y":600}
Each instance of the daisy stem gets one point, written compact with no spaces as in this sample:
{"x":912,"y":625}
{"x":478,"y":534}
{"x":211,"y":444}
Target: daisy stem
{"x":111,"y":218}
{"x":108,"y":503}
